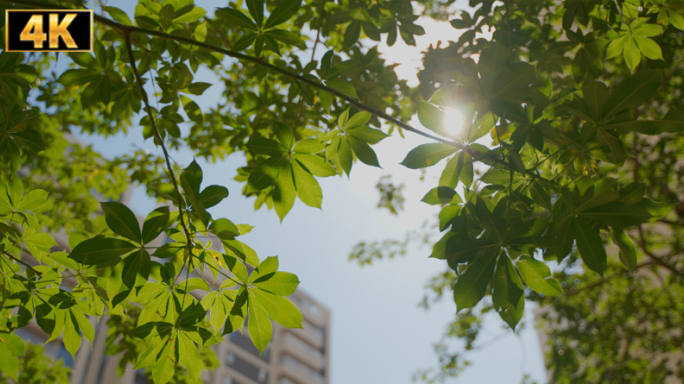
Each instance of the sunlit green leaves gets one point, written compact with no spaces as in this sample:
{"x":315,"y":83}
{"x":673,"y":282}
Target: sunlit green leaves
{"x":352,"y":140}
{"x":427,"y":155}
{"x":633,"y":40}
{"x":538,"y":276}
{"x":11,"y":347}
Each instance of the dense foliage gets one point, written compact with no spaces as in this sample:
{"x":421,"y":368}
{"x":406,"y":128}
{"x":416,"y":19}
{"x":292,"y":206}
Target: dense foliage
{"x":579,"y":98}
{"x":37,"y":368}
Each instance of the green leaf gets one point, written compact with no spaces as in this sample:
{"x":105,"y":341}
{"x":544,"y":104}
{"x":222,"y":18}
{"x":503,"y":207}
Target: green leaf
{"x":367,"y":134}
{"x":471,"y":286}
{"x":218,"y":305}
{"x":358,"y":120}
{"x":646,"y":30}
{"x":238,"y":18}
{"x":284,"y":134}
{"x":72,"y":337}
{"x":279,"y":308}
{"x":426,"y":155}
{"x":491,"y":222}
{"x":595,"y":96}
{"x":326,"y":99}
{"x":589,"y":245}
{"x":11,"y":347}
{"x":538,"y":276}
{"x":136,"y":269}
{"x":166,"y":361}
{"x":622,"y":215}
{"x":84,"y":325}
{"x":258,"y":324}
{"x":431,"y":117}
{"x":648,"y":47}
{"x":155,"y":224}
{"x":278,"y":283}
{"x":195,"y":14}
{"x":285,"y":192}
{"x":308,"y":189}
{"x":616,"y":47}
{"x":343,"y":87}
{"x":633,"y":92}
{"x":363,"y":151}
{"x":266,"y":267}
{"x":482,"y":126}
{"x":118,"y":15}
{"x":33,"y":200}
{"x":632,"y":193}
{"x":72,"y":77}
{"x":282,"y":13}
{"x":198,"y":88}
{"x":261,"y":146}
{"x":672,"y":122}
{"x":224,"y":229}
{"x":492,"y":62}
{"x":603,"y":191}
{"x":463,"y":250}
{"x":627,"y":251}
{"x":539,"y":195}
{"x":508,"y":295}
{"x":613,"y":146}
{"x":283,"y":36}
{"x":309,"y":146}
{"x":514,"y":78}
{"x":316,"y":165}
{"x":267,"y":172}
{"x":631,"y":53}
{"x":441,"y":195}
{"x":189,"y":356}
{"x":345,"y":155}
{"x":121,"y":220}
{"x":99,"y":250}
{"x":451,"y":172}
{"x":213,"y":195}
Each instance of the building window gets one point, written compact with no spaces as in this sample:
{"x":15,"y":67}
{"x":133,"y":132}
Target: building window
{"x":65,"y":356}
{"x":140,"y":377}
{"x":246,"y":368}
{"x":297,"y":365}
{"x":245,"y":343}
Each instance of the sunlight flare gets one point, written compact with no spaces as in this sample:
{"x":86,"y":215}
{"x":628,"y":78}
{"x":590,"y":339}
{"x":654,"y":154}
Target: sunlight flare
{"x":453,"y":122}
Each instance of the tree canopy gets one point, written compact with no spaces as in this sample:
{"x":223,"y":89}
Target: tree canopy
{"x":578,"y":102}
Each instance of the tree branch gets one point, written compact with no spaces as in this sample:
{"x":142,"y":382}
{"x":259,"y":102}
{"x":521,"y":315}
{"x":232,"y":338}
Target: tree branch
{"x":29,"y":266}
{"x":157,"y":134}
{"x":655,"y":258}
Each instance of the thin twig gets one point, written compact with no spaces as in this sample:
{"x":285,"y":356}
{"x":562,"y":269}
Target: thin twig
{"x":157,"y":133}
{"x":29,"y":266}
{"x":655,"y":258}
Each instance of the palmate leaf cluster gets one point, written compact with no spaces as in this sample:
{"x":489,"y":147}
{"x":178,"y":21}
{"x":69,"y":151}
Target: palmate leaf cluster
{"x":565,"y":94}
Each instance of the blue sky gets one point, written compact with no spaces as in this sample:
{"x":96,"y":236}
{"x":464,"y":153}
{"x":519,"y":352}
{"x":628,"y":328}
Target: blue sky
{"x":378,"y":335}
